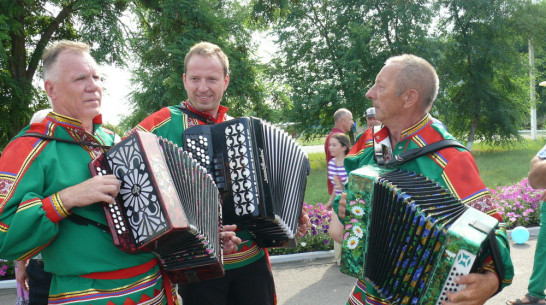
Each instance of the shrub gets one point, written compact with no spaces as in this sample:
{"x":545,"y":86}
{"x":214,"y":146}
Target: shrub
{"x":317,"y":238}
{"x":519,"y":204}
{"x":7,"y":270}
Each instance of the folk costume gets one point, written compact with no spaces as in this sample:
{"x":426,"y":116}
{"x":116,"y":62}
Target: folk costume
{"x":245,"y":265}
{"x":453,"y":168}
{"x":87,"y":267}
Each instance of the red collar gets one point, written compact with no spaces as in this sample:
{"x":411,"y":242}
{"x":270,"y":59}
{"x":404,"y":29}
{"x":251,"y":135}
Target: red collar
{"x":221,"y":116}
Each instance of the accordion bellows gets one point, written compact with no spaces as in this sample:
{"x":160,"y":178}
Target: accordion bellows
{"x":409,"y":237}
{"x":167,"y":204}
{"x":261,"y":173}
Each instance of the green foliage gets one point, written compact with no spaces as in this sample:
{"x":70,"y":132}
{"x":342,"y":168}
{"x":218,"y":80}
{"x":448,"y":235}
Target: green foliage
{"x":168,"y":30}
{"x":482,"y":72}
{"x":330,"y":52}
{"x":27,"y":27}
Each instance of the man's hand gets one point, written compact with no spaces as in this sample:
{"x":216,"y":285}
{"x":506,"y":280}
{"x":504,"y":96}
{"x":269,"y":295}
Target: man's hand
{"x":97,"y":189}
{"x":479,"y":288}
{"x":342,"y":205}
{"x":21,"y":276}
{"x":231,"y":241}
{"x":304,"y":223}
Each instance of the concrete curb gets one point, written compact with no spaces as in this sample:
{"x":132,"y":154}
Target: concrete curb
{"x":8,"y":284}
{"x":298,"y":257}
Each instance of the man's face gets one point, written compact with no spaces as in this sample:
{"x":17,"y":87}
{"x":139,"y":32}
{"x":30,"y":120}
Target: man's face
{"x":347,"y":122}
{"x":205,"y":83}
{"x":387,"y":105}
{"x":74,"y":86}
{"x":371,"y":121}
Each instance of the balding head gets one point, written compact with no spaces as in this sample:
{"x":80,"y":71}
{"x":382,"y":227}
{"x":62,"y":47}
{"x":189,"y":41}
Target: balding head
{"x":416,"y":73}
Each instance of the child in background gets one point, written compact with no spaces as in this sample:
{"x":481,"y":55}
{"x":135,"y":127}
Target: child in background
{"x":339,"y":147}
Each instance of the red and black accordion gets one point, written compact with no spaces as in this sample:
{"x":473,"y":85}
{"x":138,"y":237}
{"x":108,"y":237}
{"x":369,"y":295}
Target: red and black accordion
{"x":261,"y":173}
{"x":167,"y":204}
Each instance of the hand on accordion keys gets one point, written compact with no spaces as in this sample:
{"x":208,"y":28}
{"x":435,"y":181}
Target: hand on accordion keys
{"x":97,"y":189}
{"x":479,"y":287}
{"x":231,"y":241}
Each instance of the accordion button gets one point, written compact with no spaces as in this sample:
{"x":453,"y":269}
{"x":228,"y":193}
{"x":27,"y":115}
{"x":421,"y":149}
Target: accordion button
{"x":120,"y":232}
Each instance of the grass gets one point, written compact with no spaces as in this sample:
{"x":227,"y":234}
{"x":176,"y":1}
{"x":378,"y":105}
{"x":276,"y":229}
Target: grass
{"x":498,"y":166}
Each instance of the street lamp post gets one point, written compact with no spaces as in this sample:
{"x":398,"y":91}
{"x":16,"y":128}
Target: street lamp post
{"x":533,"y":112}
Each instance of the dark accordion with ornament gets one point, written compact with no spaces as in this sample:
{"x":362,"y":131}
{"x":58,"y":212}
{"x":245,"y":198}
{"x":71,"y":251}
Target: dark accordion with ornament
{"x":410,"y":237}
{"x":261,"y":173}
{"x":167,"y":204}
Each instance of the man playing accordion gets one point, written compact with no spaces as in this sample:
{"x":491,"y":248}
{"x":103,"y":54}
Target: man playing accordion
{"x":402,"y":95}
{"x":248,"y":278}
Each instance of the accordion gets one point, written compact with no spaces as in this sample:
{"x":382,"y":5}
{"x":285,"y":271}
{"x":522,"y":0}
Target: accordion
{"x":261,"y":173}
{"x":409,"y":237}
{"x":167,"y":204}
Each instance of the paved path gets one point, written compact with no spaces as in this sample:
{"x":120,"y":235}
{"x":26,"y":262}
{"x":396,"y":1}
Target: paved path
{"x":320,"y":282}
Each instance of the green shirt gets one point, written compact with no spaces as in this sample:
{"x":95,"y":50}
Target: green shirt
{"x":33,"y":219}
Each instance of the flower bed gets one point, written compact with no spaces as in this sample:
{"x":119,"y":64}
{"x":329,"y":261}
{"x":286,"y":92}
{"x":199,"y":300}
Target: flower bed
{"x":317,"y":238}
{"x":7,"y":270}
{"x":519,"y":205}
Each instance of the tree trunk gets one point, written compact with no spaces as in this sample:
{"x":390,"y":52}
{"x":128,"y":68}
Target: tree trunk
{"x":472,"y":134}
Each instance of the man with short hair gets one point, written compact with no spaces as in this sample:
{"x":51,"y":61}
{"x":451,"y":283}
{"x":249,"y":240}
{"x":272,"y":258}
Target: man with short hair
{"x":248,"y":278}
{"x":403,"y":92}
{"x":44,"y":182}
{"x":343,"y":121}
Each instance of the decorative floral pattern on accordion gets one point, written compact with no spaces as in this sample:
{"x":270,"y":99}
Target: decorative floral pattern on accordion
{"x":143,"y":210}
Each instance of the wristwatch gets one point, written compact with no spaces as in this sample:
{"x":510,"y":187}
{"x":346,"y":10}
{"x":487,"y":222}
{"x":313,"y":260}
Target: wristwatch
{"x":542,"y":153}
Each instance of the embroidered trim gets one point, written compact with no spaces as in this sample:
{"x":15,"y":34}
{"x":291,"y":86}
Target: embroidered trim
{"x":54,"y":208}
{"x":90,"y":295}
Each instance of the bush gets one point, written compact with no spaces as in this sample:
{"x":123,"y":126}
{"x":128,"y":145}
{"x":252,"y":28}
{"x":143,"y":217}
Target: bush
{"x":317,"y":238}
{"x":7,"y":270}
{"x":519,"y":204}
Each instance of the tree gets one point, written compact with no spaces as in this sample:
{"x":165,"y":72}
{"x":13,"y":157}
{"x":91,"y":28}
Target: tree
{"x":331,"y":51}
{"x":167,"y":31}
{"x":27,"y":27}
{"x":481,"y":70}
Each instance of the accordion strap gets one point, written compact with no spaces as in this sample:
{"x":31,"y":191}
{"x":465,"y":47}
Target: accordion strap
{"x":52,"y":138}
{"x":417,"y":152}
{"x":84,"y":221}
{"x":194,"y":115}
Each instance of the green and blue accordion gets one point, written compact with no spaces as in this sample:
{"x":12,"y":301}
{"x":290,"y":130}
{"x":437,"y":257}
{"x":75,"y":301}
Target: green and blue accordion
{"x":410,"y":237}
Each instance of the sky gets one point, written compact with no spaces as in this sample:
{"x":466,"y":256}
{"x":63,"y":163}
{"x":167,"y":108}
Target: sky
{"x":116,"y":87}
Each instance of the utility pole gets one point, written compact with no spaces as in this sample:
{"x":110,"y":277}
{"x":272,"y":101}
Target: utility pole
{"x":532,"y":94}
